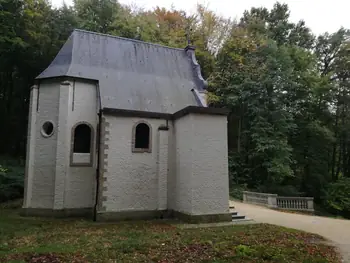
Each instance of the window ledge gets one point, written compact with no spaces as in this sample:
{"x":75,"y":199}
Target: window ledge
{"x":81,"y":159}
{"x":141,"y":150}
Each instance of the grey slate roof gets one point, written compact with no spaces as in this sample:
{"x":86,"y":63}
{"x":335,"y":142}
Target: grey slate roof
{"x":132,"y":75}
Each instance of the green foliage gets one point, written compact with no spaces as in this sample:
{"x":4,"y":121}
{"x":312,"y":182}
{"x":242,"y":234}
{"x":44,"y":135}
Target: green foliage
{"x":244,"y":251}
{"x":289,"y":92}
{"x":281,"y":190}
{"x":336,"y":197}
{"x":253,"y":78}
{"x":236,"y":191}
{"x":11,"y":181}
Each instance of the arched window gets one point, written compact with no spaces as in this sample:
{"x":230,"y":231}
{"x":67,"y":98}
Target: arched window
{"x":82,"y":145}
{"x":142,"y":137}
{"x":82,"y":139}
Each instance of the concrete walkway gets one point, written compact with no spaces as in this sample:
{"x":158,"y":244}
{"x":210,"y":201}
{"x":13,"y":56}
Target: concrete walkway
{"x":336,"y":230}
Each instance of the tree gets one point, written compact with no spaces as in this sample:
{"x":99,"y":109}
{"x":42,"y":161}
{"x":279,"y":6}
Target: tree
{"x":252,"y":76}
{"x":333,"y":55}
{"x":275,"y":24}
{"x":27,"y":47}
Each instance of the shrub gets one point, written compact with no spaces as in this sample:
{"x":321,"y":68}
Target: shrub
{"x":236,"y":191}
{"x":336,"y":197}
{"x":281,"y":190}
{"x":11,"y":182}
{"x":245,"y":251}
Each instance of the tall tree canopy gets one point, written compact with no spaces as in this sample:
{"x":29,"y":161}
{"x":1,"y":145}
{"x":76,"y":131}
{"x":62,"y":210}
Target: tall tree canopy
{"x":288,"y":91}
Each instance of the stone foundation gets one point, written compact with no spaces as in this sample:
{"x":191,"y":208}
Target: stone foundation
{"x":162,"y":214}
{"x":58,"y":213}
{"x":131,"y":215}
{"x":194,"y":219}
{"x":126,"y":215}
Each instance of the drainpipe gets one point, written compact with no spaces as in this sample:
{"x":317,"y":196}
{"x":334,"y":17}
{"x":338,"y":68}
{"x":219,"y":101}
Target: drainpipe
{"x":98,"y":164}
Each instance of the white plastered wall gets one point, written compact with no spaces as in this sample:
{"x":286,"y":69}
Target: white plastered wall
{"x":133,"y":181}
{"x":201,"y":183}
{"x":181,"y":188}
{"x":210,"y":182}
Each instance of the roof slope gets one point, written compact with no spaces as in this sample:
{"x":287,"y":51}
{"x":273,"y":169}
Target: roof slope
{"x":132,"y":75}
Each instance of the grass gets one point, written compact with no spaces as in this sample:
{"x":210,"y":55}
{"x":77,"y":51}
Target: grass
{"x":52,"y":240}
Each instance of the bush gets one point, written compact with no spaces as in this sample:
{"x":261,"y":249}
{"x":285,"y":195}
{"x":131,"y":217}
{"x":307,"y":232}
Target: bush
{"x":281,"y":190}
{"x":245,"y":251}
{"x":11,"y":182}
{"x":236,"y":191}
{"x":336,"y":198}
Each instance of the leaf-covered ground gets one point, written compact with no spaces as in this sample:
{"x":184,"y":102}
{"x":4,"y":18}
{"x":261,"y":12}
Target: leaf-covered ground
{"x":56,"y":241}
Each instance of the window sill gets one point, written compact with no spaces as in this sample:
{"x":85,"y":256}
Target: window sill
{"x":81,"y":159}
{"x":141,"y":150}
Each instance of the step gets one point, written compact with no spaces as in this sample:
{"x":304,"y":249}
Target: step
{"x":232,"y":207}
{"x":243,"y":221}
{"x":235,"y":217}
{"x":234,"y":213}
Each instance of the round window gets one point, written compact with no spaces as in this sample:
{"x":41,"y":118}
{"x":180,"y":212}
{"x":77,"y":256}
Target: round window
{"x":47,"y":129}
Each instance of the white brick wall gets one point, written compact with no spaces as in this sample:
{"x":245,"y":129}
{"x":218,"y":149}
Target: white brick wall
{"x":171,"y":167}
{"x":31,"y":138}
{"x":182,"y":183}
{"x":132,"y":181}
{"x":45,"y":148}
{"x":162,"y":169}
{"x":201,"y":184}
{"x":80,"y":184}
{"x":62,"y":156}
{"x":210,"y":184}
{"x":55,"y":184}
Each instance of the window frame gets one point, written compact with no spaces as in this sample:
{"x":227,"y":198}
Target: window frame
{"x":92,"y":133}
{"x":141,"y":150}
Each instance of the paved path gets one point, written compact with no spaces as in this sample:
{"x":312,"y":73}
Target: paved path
{"x":336,"y":230}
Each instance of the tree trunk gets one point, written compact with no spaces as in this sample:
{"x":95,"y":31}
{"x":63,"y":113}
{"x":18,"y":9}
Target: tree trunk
{"x":334,"y":153}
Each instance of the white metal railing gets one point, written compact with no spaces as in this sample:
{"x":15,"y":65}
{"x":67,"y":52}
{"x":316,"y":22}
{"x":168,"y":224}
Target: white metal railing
{"x":279,"y":202}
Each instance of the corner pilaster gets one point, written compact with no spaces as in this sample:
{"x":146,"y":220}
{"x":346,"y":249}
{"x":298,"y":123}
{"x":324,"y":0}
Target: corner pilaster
{"x":103,"y":176}
{"x":63,"y":144}
{"x":162,"y":167}
{"x":31,"y":139}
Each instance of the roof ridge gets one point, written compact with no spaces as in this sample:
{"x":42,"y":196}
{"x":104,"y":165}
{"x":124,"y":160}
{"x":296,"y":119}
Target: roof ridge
{"x":71,"y":57}
{"x":128,"y":39}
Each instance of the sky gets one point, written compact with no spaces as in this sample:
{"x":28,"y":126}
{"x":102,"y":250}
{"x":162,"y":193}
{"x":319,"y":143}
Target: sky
{"x":320,"y":15}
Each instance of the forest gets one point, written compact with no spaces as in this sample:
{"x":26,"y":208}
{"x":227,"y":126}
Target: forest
{"x":288,"y":89}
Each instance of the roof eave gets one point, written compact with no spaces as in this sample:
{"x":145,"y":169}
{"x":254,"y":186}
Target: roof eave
{"x":168,"y":116}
